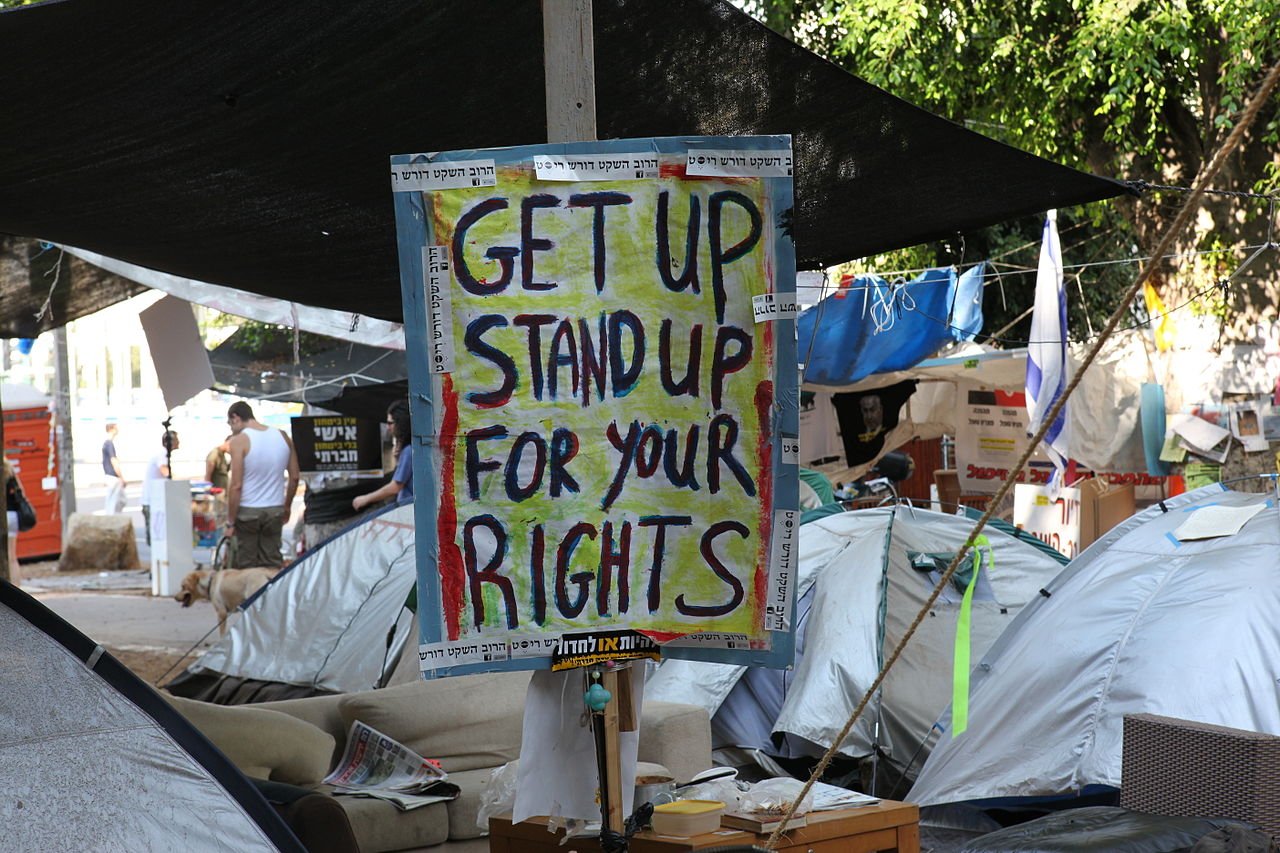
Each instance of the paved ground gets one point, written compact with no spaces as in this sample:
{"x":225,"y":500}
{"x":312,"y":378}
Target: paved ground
{"x":124,"y":620}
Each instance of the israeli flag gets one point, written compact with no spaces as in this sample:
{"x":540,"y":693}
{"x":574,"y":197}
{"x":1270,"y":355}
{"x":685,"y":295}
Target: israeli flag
{"x":1047,"y":365}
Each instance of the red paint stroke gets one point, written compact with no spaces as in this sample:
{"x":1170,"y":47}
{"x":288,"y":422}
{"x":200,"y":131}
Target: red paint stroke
{"x":676,"y":171}
{"x":663,"y":636}
{"x":450,"y":557}
{"x":764,"y":488}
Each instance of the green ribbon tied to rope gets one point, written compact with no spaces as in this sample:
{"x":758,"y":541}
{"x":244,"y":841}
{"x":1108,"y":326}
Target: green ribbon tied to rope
{"x":961,"y":667}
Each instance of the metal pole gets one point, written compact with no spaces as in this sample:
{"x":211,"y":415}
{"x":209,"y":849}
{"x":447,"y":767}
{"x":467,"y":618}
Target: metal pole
{"x":64,"y":451}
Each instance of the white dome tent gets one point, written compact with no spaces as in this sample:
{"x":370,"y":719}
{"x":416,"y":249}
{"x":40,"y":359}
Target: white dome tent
{"x":1141,"y":622}
{"x":862,"y":575}
{"x":334,"y":621}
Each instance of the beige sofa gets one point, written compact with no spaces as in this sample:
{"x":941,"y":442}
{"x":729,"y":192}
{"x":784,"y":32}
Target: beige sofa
{"x":472,"y":724}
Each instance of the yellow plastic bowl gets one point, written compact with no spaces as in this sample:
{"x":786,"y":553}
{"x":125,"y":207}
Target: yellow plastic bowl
{"x":687,"y":817}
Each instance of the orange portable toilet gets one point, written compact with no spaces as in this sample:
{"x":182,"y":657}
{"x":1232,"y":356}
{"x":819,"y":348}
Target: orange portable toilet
{"x":30,"y":448}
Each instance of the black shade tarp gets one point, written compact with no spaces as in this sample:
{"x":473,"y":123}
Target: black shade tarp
{"x":246,"y":143}
{"x":351,"y":379}
{"x":43,"y":288}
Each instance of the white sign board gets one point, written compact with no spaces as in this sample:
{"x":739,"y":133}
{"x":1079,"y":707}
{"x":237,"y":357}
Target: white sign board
{"x":1056,"y":521}
{"x":991,"y":435}
{"x":181,"y":361}
{"x":172,"y":553}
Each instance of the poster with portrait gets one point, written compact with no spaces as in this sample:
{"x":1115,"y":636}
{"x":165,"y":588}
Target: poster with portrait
{"x":604,"y":334}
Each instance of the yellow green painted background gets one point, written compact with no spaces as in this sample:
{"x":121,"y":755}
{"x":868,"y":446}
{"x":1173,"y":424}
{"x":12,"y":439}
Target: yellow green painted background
{"x":632,"y":284}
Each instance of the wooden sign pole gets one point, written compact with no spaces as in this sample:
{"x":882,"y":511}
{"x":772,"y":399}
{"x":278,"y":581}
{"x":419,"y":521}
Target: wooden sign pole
{"x":569,"y":69}
{"x":611,"y":778}
{"x":568,"y":56}
{"x":608,"y":724}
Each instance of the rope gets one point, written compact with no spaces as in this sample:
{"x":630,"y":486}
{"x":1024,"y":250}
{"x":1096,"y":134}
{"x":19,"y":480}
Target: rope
{"x":1189,"y":207}
{"x":188,"y":652}
{"x":57,"y":273}
{"x":1143,"y":186}
{"x":1137,"y":324}
{"x":1017,"y":269}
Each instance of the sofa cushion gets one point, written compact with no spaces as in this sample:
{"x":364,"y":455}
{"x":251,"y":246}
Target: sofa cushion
{"x":263,"y":744}
{"x":464,"y":810}
{"x":380,"y":826}
{"x":677,"y":736}
{"x":466,"y":722}
{"x":320,"y":711}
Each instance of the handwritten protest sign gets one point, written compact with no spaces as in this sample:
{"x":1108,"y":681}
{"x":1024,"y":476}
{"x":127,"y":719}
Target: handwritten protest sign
{"x":609,"y":400}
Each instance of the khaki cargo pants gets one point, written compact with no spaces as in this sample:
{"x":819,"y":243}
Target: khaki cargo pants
{"x":258,"y":532}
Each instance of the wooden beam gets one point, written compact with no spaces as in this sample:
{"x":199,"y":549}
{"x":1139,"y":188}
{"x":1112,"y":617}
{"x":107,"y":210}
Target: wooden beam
{"x":568,"y":55}
{"x":611,"y":784}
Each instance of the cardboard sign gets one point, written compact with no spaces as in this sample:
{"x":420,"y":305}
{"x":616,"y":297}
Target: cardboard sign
{"x":336,"y":443}
{"x":991,"y":435}
{"x":610,"y":425}
{"x":1075,"y":518}
{"x":177,"y":351}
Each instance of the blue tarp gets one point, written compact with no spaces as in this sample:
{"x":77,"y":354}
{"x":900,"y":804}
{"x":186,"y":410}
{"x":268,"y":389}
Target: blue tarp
{"x":916,"y":319}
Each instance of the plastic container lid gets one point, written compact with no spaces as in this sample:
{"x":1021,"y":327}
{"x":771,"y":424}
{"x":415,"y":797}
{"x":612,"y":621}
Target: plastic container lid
{"x":689,"y":807}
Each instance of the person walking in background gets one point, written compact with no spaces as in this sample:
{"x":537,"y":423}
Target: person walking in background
{"x":401,"y":485}
{"x":13,"y":486}
{"x":264,"y":480}
{"x":217,"y":465}
{"x":115,"y":474}
{"x":157,"y":469}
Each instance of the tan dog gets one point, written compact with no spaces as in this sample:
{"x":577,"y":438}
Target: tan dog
{"x":226,"y":589}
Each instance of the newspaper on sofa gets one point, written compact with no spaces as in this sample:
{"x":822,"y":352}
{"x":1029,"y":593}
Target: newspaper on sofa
{"x":374,"y":765}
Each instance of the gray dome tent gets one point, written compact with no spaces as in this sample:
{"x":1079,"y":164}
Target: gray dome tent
{"x":862,"y":577}
{"x":334,"y":621}
{"x":91,"y":758}
{"x":1140,"y":622}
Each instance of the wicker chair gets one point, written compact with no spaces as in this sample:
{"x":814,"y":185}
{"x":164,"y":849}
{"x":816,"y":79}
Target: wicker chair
{"x":1189,"y":769}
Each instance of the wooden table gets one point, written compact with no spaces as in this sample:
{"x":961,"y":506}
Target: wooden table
{"x":888,"y":825}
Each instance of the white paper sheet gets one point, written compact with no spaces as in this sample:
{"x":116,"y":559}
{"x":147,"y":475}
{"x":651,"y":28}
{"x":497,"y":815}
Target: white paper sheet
{"x":827,"y":797}
{"x":1246,"y":425}
{"x":1197,"y":432}
{"x":558,"y":775}
{"x":181,"y":361}
{"x":449,"y":175}
{"x":1213,"y":521}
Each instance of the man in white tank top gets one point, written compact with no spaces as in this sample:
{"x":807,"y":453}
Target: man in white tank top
{"x":264,"y":479}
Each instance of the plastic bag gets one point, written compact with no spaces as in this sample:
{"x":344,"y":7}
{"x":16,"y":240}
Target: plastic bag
{"x":774,"y":797}
{"x":725,"y":791}
{"x":499,"y":796}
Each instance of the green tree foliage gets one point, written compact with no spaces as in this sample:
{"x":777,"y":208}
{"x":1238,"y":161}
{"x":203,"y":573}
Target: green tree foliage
{"x":1131,"y":89}
{"x":1090,"y":83}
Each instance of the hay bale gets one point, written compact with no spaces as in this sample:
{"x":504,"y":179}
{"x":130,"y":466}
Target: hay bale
{"x":99,"y":543}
